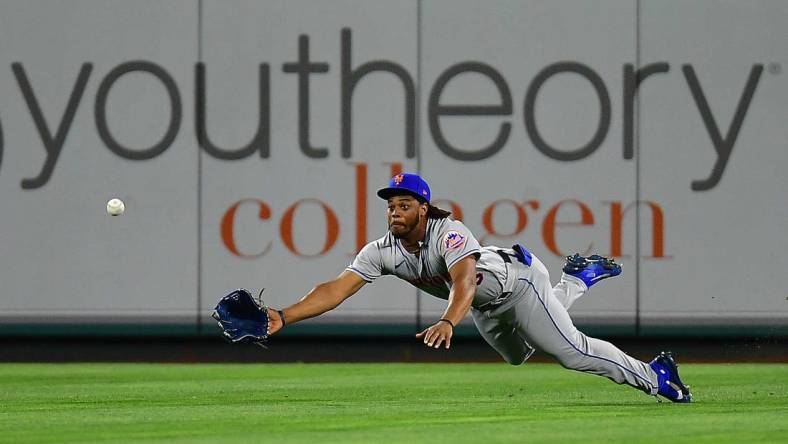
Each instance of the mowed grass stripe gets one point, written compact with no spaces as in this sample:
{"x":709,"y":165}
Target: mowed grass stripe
{"x":380,"y":403}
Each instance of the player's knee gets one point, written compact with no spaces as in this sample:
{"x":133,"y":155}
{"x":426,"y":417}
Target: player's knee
{"x":514,"y":358}
{"x":519,"y":358}
{"x":514,"y":361}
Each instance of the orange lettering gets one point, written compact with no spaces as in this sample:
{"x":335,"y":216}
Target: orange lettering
{"x":396,"y":168}
{"x":361,"y":206}
{"x":487,"y":219}
{"x":228,"y":227}
{"x":332,"y":228}
{"x":657,"y":228}
{"x":549,"y":225}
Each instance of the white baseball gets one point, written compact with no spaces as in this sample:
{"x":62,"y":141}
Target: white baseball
{"x":115,"y":207}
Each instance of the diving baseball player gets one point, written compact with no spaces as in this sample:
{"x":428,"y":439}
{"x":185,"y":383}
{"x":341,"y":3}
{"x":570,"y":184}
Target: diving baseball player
{"x":507,"y":290}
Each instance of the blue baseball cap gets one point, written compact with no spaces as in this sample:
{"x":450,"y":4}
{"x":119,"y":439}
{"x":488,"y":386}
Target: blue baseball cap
{"x":406,"y":183}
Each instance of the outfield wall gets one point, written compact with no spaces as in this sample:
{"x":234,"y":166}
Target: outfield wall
{"x":248,"y":138}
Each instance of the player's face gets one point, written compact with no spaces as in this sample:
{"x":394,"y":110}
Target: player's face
{"x":403,"y":215}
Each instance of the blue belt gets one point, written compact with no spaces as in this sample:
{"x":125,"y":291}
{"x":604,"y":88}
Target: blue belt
{"x":520,"y":253}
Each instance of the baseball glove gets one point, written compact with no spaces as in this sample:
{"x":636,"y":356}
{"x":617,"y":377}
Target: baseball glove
{"x":242,"y":319}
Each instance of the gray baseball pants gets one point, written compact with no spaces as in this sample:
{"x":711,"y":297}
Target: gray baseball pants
{"x":536,"y":314}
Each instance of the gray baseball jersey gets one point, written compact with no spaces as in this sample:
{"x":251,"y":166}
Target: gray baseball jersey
{"x":445,"y":243}
{"x":514,"y":306}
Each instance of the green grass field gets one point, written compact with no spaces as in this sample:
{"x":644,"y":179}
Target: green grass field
{"x":346,"y":403}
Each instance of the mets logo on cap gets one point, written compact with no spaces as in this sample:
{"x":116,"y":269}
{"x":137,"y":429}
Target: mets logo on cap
{"x":398,"y":179}
{"x":453,"y":240}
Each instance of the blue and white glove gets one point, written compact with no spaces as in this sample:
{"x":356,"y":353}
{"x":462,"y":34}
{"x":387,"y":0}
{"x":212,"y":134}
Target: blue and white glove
{"x":242,"y":319}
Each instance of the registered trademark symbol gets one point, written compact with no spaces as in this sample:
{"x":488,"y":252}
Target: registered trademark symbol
{"x":775,"y":68}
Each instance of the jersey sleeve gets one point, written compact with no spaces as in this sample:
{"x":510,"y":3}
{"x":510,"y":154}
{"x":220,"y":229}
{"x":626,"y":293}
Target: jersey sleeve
{"x":456,"y":243}
{"x":368,"y":263}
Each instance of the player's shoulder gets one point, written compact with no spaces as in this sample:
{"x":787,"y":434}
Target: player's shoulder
{"x":379,"y":244}
{"x":443,"y":226}
{"x":447,"y":233}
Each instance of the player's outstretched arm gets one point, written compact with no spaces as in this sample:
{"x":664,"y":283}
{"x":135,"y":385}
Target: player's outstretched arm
{"x":319,"y":300}
{"x":463,"y":289}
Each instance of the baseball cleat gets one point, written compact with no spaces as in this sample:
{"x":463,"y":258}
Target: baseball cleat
{"x":591,"y":269}
{"x":670,"y":385}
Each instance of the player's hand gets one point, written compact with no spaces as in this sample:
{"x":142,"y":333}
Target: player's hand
{"x":437,"y":334}
{"x":274,"y":321}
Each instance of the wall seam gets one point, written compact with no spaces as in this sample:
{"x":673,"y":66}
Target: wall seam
{"x":417,"y":117}
{"x":199,"y":182}
{"x":637,"y":170}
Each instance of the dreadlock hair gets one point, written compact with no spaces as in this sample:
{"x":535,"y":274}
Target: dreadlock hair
{"x":434,"y":212}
